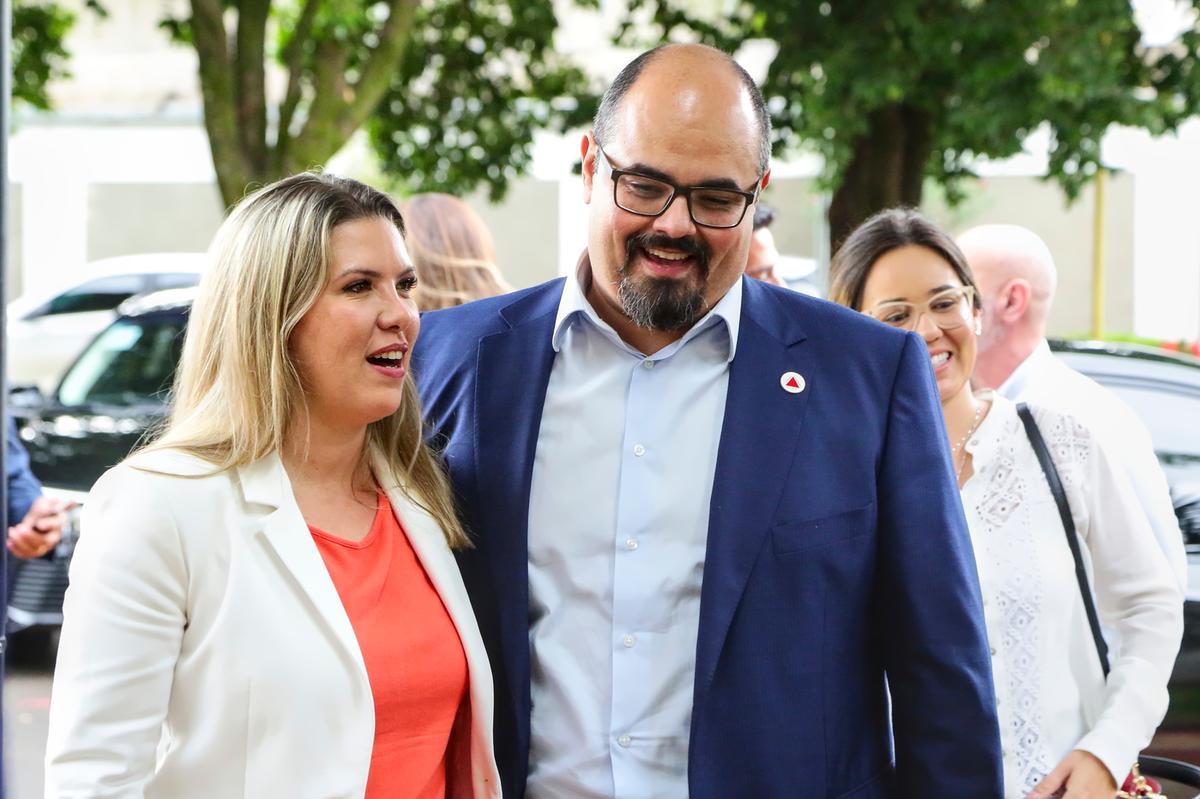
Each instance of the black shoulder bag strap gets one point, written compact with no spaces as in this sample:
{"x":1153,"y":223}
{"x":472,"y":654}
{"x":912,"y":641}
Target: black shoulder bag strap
{"x":1064,"y":511}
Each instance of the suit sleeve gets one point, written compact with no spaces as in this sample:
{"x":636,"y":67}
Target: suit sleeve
{"x":946,"y":734}
{"x":124,"y":616}
{"x":23,"y":487}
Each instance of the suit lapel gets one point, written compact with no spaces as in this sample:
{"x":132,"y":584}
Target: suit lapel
{"x":265,"y":482}
{"x":759,"y":436}
{"x":512,"y":375}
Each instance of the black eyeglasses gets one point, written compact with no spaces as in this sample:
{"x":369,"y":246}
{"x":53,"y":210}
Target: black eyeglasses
{"x":646,"y":196}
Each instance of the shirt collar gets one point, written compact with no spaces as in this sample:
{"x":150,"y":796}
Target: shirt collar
{"x":1016,"y":383}
{"x":574,"y":307}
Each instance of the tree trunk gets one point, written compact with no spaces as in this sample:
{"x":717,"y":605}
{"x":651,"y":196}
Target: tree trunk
{"x":232,"y":77}
{"x":886,"y":169}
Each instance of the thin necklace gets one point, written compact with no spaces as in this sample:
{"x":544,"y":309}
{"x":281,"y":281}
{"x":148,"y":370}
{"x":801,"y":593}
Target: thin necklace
{"x":959,"y":449}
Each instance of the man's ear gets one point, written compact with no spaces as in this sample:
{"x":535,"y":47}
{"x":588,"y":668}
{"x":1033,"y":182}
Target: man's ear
{"x":1014,"y":300}
{"x":766,"y":179}
{"x":587,"y":151}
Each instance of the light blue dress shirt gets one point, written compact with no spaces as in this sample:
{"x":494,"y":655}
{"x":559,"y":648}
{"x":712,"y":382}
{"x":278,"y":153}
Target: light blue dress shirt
{"x":618,"y":522}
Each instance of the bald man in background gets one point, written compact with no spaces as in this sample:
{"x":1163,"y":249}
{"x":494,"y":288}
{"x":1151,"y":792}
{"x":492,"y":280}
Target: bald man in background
{"x":1017,"y":278}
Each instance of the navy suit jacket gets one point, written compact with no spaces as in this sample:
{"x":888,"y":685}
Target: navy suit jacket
{"x":837,"y":552}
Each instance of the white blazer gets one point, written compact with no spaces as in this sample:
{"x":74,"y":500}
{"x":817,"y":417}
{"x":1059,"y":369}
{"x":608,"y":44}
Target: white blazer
{"x":205,"y":651}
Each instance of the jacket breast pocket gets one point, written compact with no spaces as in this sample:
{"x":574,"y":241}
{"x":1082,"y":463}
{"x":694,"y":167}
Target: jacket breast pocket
{"x":792,"y":537}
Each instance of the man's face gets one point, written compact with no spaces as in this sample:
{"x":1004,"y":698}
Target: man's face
{"x":760,"y":263}
{"x":665,"y":272}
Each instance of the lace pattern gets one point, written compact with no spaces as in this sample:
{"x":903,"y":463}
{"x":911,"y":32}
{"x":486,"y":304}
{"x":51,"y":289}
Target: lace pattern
{"x":1012,"y":577}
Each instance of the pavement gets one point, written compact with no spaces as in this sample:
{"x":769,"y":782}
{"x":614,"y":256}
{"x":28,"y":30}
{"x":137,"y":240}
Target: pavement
{"x":26,"y":712}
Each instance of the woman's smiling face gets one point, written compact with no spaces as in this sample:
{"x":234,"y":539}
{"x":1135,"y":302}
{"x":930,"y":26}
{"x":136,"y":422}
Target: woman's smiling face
{"x":916,"y":274}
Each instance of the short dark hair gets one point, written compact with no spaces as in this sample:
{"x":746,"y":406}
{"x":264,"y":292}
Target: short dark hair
{"x":886,"y":231}
{"x":603,"y":121}
{"x":764,"y":215}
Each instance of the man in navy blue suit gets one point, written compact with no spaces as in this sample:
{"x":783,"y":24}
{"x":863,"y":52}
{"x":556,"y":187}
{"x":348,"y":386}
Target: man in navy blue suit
{"x":719,"y":550}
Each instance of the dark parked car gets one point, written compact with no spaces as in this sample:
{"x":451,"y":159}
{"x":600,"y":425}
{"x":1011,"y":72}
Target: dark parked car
{"x":106,"y":401}
{"x":1164,"y":389}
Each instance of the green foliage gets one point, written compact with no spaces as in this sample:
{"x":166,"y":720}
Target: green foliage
{"x":38,"y":53}
{"x":474,"y":83}
{"x":477,"y":81}
{"x":985,"y":72}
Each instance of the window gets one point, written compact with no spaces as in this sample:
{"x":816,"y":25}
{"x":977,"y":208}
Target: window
{"x":1167,"y":410}
{"x":131,"y":363}
{"x":102,"y":294}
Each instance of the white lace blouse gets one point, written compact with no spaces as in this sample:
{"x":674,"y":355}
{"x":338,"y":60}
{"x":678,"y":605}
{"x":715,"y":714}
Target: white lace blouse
{"x":1050,"y":691}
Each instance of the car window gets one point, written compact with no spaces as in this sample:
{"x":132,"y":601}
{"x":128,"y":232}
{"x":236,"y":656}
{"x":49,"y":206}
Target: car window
{"x":174,"y":280}
{"x":1167,"y":413}
{"x":131,"y":363}
{"x":102,"y":294}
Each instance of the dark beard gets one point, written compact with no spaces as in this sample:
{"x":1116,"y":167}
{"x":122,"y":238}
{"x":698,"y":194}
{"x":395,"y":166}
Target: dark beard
{"x":663,"y":304}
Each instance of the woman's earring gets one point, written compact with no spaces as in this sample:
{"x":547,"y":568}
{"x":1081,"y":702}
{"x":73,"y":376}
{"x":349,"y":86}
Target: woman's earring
{"x":978,"y":327}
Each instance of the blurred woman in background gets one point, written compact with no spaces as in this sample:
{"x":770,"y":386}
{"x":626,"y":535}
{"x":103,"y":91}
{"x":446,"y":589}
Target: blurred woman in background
{"x":264,"y":602}
{"x":453,"y":252}
{"x":1062,"y":722}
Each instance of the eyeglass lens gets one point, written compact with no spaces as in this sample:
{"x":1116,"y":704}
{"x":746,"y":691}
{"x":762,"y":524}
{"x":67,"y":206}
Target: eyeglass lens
{"x":948,"y":310}
{"x":712,"y":207}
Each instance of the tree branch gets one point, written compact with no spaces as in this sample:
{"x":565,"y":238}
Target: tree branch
{"x":294,"y":59}
{"x":217,"y":88}
{"x":251,"y":80}
{"x":330,"y":121}
{"x":377,"y":72}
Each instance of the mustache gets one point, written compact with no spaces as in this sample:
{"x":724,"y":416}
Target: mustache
{"x":686,"y":244}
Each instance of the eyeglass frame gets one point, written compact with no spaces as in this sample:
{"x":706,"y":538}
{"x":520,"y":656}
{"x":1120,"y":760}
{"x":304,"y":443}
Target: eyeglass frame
{"x":967,"y":294}
{"x":615,"y":174}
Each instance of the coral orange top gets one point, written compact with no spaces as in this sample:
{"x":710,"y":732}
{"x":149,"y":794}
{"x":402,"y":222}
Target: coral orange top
{"x":412,"y":651}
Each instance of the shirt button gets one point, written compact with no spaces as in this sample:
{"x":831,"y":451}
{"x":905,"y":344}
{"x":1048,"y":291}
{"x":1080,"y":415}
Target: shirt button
{"x":624,"y":741}
{"x":631,"y":544}
{"x":629,"y":641}
{"x":639,"y":450}
{"x":647,"y":364}
{"x":993,"y":650}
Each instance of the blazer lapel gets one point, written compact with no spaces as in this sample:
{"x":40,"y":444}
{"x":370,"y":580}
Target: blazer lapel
{"x":265,"y":482}
{"x":510,"y":391}
{"x":759,"y":435}
{"x":429,"y":542}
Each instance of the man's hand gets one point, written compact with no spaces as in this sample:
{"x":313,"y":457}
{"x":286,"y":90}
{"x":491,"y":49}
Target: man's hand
{"x":1080,"y":775}
{"x":40,"y":530}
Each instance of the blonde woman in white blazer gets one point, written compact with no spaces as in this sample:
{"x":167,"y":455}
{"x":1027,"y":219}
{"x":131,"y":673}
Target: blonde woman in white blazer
{"x":232,"y":624}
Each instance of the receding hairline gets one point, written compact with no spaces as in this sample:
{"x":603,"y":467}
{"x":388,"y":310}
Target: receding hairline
{"x":630,"y":75}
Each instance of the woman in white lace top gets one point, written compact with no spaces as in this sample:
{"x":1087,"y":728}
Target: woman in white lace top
{"x":1063,"y":726}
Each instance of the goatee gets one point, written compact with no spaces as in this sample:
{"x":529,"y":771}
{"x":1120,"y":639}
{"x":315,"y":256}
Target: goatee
{"x":661,"y":303}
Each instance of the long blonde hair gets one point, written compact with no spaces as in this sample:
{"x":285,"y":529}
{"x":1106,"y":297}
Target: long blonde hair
{"x":452,"y":251}
{"x":236,"y":390}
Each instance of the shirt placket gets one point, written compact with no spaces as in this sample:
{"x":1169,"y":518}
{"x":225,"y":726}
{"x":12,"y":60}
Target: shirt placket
{"x":633,"y":574}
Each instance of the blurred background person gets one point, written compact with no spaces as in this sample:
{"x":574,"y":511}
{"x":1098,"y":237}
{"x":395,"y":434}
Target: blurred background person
{"x":764,"y":255}
{"x":1062,"y":723}
{"x":1017,"y":278}
{"x":264,"y":601}
{"x":452,"y":250}
{"x":34,"y":523}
